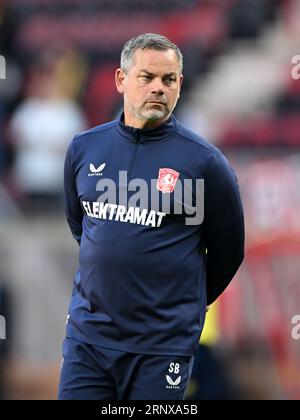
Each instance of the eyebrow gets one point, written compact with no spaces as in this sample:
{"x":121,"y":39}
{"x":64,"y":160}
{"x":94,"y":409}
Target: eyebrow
{"x":171,"y":73}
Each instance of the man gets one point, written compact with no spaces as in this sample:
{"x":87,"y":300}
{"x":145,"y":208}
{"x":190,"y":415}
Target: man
{"x":148,"y":269}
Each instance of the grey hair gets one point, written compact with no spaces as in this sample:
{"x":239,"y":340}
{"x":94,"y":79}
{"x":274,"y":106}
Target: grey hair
{"x":147,"y":42}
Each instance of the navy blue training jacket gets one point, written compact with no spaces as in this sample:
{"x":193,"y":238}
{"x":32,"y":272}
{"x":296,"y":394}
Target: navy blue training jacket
{"x":145,"y":277}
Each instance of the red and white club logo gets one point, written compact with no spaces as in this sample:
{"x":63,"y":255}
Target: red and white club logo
{"x":166,"y":180}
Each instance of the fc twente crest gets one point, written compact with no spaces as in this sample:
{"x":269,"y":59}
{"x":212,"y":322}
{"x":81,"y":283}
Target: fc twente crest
{"x":166,"y":180}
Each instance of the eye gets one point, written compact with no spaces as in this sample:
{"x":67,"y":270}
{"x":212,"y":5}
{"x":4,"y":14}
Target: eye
{"x":145,"y":77}
{"x":170,"y":80}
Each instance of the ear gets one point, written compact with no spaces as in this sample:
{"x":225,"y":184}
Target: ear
{"x":180,"y":84}
{"x":119,"y":80}
{"x":180,"y":79}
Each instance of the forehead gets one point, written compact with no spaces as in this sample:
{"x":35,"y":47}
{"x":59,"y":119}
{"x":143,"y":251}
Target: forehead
{"x":155,"y":61}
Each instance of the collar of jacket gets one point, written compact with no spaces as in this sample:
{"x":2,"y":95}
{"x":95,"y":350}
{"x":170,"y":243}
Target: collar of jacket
{"x":146,"y":134}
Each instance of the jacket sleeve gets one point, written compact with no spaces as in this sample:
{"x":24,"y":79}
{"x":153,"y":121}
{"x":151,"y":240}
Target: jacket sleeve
{"x":73,"y":210}
{"x":224,"y":230}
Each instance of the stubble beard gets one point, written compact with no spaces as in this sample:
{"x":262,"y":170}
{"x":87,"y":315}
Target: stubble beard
{"x":151,"y":114}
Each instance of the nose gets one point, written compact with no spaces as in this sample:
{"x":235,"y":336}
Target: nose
{"x":157,"y":87}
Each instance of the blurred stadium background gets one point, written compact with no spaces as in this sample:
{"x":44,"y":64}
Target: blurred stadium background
{"x":241,"y":92}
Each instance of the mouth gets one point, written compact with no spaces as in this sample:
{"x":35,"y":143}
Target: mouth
{"x":156,"y":103}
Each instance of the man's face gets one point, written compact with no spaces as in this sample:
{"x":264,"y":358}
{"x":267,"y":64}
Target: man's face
{"x":151,"y":87}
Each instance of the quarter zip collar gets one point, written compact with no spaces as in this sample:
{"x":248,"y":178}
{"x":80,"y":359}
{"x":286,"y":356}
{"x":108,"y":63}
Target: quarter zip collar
{"x":142,"y":135}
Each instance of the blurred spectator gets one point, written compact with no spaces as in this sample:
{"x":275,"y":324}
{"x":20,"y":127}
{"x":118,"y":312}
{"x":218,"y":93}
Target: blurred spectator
{"x":10,"y":86}
{"x":210,"y":379}
{"x":44,"y":124}
{"x":8,"y":26}
{"x":254,"y":370}
{"x":3,"y":153}
{"x":5,"y":311}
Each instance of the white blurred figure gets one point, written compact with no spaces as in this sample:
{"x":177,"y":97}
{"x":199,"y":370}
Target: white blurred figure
{"x":43,"y":126}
